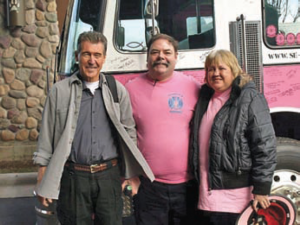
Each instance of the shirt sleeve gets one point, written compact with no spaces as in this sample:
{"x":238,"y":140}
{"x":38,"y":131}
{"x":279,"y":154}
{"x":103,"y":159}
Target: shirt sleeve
{"x":126,"y":117}
{"x":262,"y":145}
{"x":45,"y":141}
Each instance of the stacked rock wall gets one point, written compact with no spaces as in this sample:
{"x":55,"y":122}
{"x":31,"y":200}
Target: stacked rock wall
{"x":26,"y":54}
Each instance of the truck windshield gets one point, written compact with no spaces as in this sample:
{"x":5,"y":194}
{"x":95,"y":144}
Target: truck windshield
{"x":190,"y":22}
{"x":85,"y":15}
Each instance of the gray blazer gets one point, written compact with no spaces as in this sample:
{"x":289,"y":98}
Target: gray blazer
{"x":59,"y":125}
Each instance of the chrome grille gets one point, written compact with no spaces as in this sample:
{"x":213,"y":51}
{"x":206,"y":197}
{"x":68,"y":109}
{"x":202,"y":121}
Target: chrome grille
{"x":253,"y":48}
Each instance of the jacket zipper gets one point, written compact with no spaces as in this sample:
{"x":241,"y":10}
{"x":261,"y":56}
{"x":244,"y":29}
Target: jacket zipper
{"x":208,"y":173}
{"x":239,"y":171}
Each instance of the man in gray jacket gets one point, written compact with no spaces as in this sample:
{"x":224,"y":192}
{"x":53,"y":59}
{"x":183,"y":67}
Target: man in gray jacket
{"x":87,"y":142}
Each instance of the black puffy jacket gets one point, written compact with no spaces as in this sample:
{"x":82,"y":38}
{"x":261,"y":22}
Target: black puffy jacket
{"x":242,"y":149}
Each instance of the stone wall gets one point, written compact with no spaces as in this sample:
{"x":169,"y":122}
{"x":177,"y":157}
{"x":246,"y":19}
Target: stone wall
{"x":26,"y":53}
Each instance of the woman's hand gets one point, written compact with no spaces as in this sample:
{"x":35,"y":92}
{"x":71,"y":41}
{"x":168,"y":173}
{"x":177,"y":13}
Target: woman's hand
{"x":262,"y":200}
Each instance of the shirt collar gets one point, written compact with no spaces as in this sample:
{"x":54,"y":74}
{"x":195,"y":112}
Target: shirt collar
{"x":79,"y":78}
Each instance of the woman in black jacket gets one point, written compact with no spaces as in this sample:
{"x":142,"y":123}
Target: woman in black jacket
{"x":233,"y":144}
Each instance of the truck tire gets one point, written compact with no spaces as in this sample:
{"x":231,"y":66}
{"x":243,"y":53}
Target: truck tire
{"x":286,"y":179}
{"x":288,"y":154}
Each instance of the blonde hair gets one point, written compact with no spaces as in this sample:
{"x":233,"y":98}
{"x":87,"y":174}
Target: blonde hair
{"x":227,"y":57}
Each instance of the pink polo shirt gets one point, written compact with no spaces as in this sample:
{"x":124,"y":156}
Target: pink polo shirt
{"x":229,"y":200}
{"x":162,"y":112}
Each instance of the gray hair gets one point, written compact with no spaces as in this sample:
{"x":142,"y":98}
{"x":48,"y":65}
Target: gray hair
{"x":93,"y":37}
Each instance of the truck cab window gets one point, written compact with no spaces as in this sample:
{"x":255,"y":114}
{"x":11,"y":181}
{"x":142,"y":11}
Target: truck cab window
{"x":282,"y":21}
{"x":190,"y":22}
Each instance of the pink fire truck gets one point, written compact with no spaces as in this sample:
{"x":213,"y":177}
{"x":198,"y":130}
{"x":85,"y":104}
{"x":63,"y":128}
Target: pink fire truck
{"x":264,"y":35}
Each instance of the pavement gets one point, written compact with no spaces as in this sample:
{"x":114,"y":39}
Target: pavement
{"x":17,"y":211}
{"x":17,"y":203}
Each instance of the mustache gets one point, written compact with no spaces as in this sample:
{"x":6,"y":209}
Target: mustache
{"x":160,"y":63}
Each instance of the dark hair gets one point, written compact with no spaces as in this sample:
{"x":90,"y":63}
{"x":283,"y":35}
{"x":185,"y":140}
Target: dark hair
{"x":93,"y":37}
{"x":165,"y":37}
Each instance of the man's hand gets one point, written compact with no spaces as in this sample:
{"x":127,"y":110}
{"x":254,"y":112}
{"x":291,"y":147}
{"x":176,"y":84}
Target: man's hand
{"x":134,"y":183}
{"x":41,"y":172}
{"x":42,"y":200}
{"x":262,"y":200}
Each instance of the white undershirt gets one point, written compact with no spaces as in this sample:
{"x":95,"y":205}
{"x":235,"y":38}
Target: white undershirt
{"x":92,"y":86}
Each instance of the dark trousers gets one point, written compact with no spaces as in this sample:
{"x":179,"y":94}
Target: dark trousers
{"x":166,"y":204}
{"x":87,"y":198}
{"x":216,"y":218}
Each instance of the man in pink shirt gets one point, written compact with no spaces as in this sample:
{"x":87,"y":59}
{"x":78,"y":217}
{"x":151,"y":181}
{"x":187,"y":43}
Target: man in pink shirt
{"x":163,"y":102}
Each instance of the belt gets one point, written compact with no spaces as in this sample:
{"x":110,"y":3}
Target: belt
{"x":93,"y":168}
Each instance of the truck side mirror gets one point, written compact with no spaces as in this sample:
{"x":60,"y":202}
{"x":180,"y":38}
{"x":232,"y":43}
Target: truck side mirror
{"x":151,"y":11}
{"x":121,"y":36}
{"x":15,"y":13}
{"x":151,"y":29}
{"x":151,"y":8}
{"x":149,"y":32}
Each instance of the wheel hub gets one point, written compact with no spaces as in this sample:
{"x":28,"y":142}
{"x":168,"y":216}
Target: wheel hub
{"x":287,"y":183}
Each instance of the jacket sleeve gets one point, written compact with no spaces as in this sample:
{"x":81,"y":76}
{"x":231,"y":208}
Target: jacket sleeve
{"x":126,"y":116}
{"x":45,"y":141}
{"x":262,"y":142}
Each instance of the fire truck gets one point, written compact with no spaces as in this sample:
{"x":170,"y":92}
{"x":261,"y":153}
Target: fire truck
{"x":264,"y":35}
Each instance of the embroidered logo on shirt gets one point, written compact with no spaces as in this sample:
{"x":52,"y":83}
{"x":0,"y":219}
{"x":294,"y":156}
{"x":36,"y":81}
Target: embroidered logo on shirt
{"x":175,"y":103}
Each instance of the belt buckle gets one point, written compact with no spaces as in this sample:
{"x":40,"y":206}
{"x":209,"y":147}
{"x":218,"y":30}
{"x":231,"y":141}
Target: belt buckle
{"x":92,"y":167}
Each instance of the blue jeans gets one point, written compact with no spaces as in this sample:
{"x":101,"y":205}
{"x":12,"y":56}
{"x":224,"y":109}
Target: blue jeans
{"x":166,"y":204}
